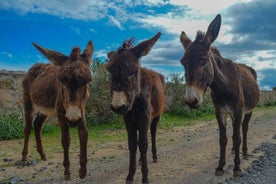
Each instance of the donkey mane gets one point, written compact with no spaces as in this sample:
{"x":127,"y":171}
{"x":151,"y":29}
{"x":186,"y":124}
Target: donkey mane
{"x":199,"y":36}
{"x":126,"y":45}
{"x":75,"y":54}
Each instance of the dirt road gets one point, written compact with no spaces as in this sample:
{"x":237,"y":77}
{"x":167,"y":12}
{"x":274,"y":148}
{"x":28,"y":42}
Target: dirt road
{"x":186,"y":155}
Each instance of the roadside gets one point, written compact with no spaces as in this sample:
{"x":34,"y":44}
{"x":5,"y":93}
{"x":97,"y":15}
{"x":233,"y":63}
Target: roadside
{"x":186,"y":155}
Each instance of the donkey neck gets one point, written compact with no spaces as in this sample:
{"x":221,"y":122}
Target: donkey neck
{"x":223,"y":69}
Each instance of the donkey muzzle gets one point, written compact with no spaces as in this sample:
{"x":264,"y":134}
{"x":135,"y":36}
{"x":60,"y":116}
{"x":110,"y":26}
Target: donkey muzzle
{"x":73,"y":115}
{"x":119,"y":102}
{"x":193,"y":96}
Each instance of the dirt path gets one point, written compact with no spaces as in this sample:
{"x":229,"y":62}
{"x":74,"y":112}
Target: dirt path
{"x":186,"y":155}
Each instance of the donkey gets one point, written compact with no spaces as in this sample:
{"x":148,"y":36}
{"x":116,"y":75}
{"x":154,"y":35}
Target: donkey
{"x":137,"y":94}
{"x":234,"y":89}
{"x":59,"y":89}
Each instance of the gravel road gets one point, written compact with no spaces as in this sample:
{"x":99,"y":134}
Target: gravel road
{"x":187,"y":155}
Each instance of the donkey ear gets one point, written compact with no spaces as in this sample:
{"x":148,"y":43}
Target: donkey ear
{"x":144,"y":47}
{"x":213,"y":31}
{"x":55,"y":57}
{"x":185,"y":40}
{"x":88,"y":52}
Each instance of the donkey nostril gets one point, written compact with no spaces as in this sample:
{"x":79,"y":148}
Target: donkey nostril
{"x":119,"y":110}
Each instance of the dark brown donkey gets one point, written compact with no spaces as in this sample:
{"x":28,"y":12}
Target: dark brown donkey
{"x":234,"y":88}
{"x":59,"y":89}
{"x":138,"y":95}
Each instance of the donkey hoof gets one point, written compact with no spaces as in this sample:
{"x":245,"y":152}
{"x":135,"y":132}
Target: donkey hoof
{"x":67,"y":177}
{"x":237,"y":173}
{"x":44,"y":158}
{"x":129,"y":182}
{"x":219,"y":172}
{"x":145,"y":182}
{"x":82,"y":174}
{"x":245,"y":157}
{"x":154,"y":160}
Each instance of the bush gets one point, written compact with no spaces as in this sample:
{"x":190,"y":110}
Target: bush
{"x":11,"y":125}
{"x":98,"y":105}
{"x":175,"y":90}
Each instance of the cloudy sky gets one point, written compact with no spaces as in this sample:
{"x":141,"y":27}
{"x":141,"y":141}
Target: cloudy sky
{"x":247,"y":35}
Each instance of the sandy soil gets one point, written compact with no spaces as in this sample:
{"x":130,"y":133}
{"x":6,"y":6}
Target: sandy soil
{"x":186,"y":155}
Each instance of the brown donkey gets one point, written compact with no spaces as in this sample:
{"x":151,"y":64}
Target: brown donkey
{"x":59,"y":89}
{"x":234,"y":88}
{"x":138,"y":95}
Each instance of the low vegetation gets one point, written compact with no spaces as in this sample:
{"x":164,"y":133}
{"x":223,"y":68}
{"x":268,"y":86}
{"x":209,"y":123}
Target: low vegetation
{"x":101,"y":120}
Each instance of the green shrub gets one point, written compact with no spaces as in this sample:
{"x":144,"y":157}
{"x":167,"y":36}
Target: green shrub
{"x":175,"y":90}
{"x":98,"y":106}
{"x":11,"y":125}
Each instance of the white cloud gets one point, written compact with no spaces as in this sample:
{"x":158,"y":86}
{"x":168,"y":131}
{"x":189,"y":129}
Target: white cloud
{"x":259,"y":59}
{"x":115,"y":21}
{"x":7,"y":54}
{"x":76,"y":30}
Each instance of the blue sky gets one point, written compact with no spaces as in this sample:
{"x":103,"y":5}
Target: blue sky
{"x":247,"y":35}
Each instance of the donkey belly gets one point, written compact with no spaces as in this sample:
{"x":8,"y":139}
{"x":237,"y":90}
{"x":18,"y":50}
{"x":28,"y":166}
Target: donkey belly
{"x":48,"y":111}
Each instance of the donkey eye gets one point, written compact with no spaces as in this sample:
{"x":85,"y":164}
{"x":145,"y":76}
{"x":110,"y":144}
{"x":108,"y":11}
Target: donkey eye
{"x":204,"y":65}
{"x":132,"y":75}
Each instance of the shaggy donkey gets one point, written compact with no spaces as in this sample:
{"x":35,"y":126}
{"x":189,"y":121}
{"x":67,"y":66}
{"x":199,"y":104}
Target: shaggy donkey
{"x":59,"y":89}
{"x":138,"y":95}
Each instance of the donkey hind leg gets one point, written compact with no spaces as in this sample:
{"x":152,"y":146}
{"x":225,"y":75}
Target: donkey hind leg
{"x":221,"y":118}
{"x":153,"y":127}
{"x":28,"y":115}
{"x":237,"y":142}
{"x":244,"y":134}
{"x":38,"y":122}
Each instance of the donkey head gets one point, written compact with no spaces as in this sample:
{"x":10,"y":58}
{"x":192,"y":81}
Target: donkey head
{"x":197,"y":63}
{"x":72,"y":79}
{"x":124,"y":67}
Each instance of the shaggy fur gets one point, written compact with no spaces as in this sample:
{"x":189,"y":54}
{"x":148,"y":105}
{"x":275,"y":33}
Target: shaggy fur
{"x":51,"y":90}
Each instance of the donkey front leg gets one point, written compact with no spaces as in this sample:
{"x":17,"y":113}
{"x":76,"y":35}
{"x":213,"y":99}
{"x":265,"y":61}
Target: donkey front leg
{"x":221,"y":118}
{"x":65,"y":140}
{"x":143,"y":147}
{"x":83,"y":137}
{"x":132,"y":146}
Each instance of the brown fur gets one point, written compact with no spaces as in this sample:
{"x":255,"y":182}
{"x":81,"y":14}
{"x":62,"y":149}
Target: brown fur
{"x":50,"y":90}
{"x":142,"y":101}
{"x":234,"y":88}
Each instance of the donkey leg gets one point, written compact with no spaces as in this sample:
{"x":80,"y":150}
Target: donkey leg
{"x":244,"y":134}
{"x":143,"y":147}
{"x":65,"y":140}
{"x":132,"y":146}
{"x":83,"y":137}
{"x":153,"y":127}
{"x":237,"y":142}
{"x":28,"y":115}
{"x":38,"y":122}
{"x":221,"y":118}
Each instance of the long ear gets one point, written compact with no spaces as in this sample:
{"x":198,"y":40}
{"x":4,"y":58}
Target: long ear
{"x":88,"y":52}
{"x":144,"y":47}
{"x":213,"y":31}
{"x":185,"y":40}
{"x":55,"y":57}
